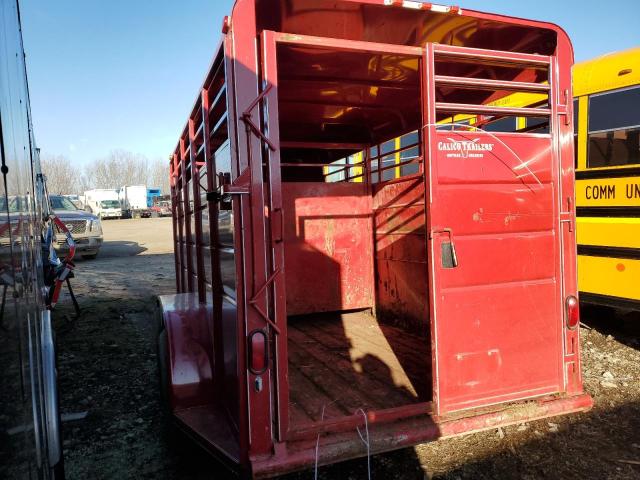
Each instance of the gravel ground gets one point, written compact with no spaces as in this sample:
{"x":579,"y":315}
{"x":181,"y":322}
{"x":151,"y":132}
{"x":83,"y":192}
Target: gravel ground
{"x":108,"y":370}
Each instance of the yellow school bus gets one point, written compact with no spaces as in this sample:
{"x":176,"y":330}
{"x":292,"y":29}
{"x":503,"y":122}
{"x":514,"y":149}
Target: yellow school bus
{"x":607,"y":134}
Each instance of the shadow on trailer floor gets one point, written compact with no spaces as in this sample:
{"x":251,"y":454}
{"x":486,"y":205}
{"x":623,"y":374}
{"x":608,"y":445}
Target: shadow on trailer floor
{"x":342,"y":362}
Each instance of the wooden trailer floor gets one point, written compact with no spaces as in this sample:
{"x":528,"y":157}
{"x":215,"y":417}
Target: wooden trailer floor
{"x":340,"y":362}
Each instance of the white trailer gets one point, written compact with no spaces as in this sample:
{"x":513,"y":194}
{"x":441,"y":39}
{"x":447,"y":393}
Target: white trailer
{"x":103,"y":202}
{"x":133,"y":201}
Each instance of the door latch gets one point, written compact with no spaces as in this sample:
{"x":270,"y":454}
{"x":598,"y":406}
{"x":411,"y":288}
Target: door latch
{"x":448,"y":255}
{"x":226,"y":187}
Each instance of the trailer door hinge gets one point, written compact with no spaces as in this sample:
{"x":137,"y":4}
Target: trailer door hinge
{"x":565,"y":109}
{"x":567,"y":217}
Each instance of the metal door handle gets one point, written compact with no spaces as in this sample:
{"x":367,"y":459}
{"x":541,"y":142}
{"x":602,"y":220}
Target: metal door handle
{"x":454,"y":256}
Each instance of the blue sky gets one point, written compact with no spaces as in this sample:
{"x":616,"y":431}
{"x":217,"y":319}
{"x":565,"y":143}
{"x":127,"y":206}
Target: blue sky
{"x":123,"y":74}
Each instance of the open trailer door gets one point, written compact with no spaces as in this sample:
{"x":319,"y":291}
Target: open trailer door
{"x":495,"y":275}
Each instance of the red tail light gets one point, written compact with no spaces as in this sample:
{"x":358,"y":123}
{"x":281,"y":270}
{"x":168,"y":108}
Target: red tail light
{"x":258,"y":355}
{"x":572,"y":312}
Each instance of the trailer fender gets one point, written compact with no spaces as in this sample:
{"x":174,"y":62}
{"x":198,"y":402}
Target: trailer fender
{"x":188,"y":350}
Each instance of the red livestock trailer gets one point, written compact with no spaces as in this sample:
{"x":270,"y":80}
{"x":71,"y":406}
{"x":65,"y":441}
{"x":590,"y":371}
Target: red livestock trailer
{"x":318,"y":294}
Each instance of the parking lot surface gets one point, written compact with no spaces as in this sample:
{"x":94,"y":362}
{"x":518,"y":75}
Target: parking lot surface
{"x":115,"y":427}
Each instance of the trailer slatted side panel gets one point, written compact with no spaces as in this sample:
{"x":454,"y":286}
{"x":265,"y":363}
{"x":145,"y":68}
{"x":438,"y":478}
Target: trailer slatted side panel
{"x":203,"y":144}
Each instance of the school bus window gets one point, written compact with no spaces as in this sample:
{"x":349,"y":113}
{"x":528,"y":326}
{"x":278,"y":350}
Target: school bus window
{"x":617,"y":147}
{"x":387,"y":160}
{"x":537,"y":125}
{"x":373,"y":153}
{"x":505,"y":124}
{"x":614,"y":125}
{"x":339,"y":171}
{"x":409,"y":154}
{"x":614,"y":110}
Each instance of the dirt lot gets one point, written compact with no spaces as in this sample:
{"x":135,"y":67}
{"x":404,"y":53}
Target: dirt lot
{"x":108,"y":370}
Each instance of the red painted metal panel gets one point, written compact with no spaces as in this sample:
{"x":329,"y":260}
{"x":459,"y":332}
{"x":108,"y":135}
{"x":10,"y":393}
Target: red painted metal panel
{"x":230,"y":331}
{"x":327,"y":236}
{"x":189,"y":333}
{"x":517,"y":159}
{"x":477,"y":365}
{"x":509,"y":208}
{"x":254,"y":416}
{"x":276,"y":237}
{"x":495,"y":258}
{"x":499,"y":197}
{"x":562,"y":119}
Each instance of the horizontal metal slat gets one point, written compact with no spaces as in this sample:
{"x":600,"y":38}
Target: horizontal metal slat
{"x":322,"y":145}
{"x":342,"y":45}
{"x":291,"y":164}
{"x":491,"y":110}
{"x":411,"y":161}
{"x":488,"y":84}
{"x":491,"y":57}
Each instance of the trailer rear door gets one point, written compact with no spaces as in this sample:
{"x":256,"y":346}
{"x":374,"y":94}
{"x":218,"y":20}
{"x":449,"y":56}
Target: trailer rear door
{"x":494,"y":244}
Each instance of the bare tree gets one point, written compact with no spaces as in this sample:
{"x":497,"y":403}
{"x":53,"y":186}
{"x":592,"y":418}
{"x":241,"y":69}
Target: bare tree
{"x":62,"y":178}
{"x":159,"y":175}
{"x":85,"y":181}
{"x":117,"y":169}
